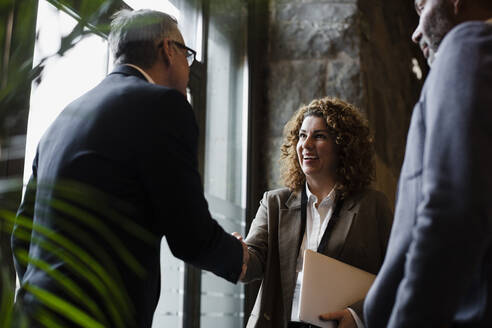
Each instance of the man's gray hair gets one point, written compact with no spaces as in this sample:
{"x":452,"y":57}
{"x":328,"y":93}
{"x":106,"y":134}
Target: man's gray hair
{"x":135,"y":35}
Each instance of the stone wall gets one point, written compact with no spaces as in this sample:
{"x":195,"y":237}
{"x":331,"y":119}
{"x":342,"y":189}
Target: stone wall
{"x":359,"y":51}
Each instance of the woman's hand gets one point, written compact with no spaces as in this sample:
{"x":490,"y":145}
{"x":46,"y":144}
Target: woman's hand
{"x":344,"y":318}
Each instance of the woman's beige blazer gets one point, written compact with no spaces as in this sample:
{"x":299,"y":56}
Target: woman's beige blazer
{"x":359,"y":238}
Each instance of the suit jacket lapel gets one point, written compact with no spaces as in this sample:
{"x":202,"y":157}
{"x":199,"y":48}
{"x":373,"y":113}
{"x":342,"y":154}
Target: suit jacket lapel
{"x":338,"y":236}
{"x":288,"y":240}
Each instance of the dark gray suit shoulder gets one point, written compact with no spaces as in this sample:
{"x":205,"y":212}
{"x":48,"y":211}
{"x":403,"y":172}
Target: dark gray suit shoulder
{"x":468,"y":32}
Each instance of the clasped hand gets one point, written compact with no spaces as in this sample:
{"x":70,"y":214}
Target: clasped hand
{"x":245,"y":255}
{"x":344,"y":317}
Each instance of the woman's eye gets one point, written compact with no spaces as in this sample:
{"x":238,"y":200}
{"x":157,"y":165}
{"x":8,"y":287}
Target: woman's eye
{"x":320,"y":136}
{"x":302,"y":135}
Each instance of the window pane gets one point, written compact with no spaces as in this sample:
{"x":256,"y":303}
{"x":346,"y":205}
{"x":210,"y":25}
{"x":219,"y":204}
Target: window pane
{"x":64,"y":78}
{"x":190,"y":23}
{"x":225,"y":149}
{"x":226,"y":133}
{"x":169,"y":311}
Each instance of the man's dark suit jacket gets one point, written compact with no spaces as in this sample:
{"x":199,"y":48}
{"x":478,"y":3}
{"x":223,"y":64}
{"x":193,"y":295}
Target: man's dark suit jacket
{"x":438,"y":268}
{"x":114,"y":173}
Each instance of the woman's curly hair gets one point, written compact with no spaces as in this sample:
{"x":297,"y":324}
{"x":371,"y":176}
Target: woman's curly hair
{"x":354,"y":144}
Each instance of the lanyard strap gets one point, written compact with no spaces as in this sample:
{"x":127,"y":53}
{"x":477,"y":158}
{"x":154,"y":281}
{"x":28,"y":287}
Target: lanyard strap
{"x":303,"y":217}
{"x":333,"y":218}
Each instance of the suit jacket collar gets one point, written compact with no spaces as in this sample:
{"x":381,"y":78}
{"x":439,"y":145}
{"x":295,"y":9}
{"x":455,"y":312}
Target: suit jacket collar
{"x":128,"y":70}
{"x":294,"y":200}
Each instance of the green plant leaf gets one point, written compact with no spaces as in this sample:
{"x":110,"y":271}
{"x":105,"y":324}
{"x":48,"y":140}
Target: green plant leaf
{"x":62,"y":307}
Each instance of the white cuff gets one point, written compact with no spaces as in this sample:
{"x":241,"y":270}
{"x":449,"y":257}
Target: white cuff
{"x":358,"y":322}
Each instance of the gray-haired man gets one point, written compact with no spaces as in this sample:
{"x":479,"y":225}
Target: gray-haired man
{"x":114,"y":173}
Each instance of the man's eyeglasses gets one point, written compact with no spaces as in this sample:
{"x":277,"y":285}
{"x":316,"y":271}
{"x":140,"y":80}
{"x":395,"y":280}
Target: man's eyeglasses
{"x":190,"y":53}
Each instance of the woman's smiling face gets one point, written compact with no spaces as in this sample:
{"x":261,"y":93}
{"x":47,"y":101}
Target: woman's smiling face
{"x":316,"y":150}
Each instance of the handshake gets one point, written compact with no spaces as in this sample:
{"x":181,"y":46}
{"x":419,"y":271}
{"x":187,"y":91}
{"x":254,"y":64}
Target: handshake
{"x":344,"y":317}
{"x":245,"y":255}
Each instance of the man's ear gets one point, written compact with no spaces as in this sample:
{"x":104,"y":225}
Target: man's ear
{"x":166,"y":51}
{"x":458,"y":6}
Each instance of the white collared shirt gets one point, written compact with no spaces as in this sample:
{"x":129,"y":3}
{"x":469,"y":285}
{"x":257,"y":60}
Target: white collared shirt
{"x":147,"y":76}
{"x":316,"y":222}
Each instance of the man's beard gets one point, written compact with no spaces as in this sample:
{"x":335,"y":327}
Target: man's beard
{"x":438,"y":25}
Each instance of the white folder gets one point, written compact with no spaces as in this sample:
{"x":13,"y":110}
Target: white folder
{"x":329,"y":285}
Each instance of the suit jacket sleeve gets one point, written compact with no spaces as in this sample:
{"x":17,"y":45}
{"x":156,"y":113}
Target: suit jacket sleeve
{"x":21,"y":233}
{"x":167,"y":150}
{"x":257,"y":241}
{"x":453,"y":227}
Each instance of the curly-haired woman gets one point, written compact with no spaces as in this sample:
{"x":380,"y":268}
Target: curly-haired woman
{"x":327,"y":166}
